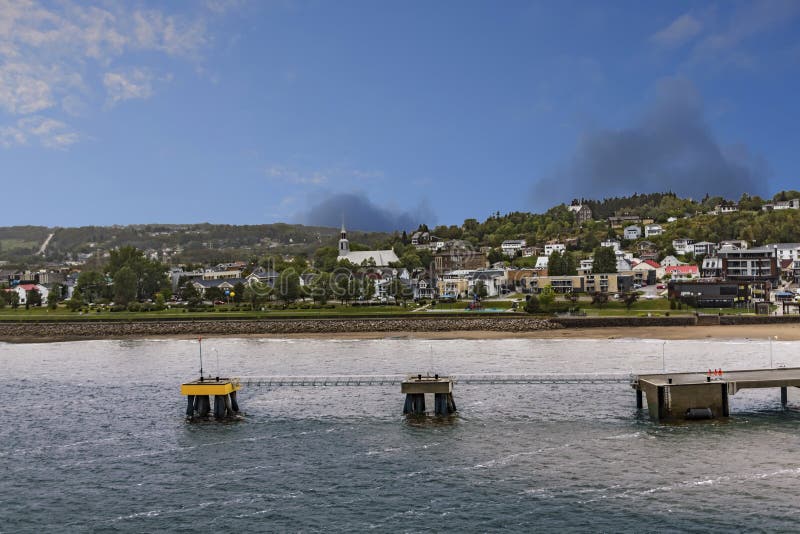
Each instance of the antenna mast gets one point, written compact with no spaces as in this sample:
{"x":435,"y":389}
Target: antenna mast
{"x":200,"y":341}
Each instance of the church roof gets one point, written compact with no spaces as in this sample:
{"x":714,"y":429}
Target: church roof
{"x":382,"y":257}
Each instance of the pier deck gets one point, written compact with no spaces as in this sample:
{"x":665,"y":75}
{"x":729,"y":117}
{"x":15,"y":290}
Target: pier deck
{"x":675,"y":396}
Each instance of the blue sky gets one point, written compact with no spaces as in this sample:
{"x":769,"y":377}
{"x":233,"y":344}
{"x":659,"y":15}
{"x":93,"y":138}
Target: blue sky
{"x":393,"y":113}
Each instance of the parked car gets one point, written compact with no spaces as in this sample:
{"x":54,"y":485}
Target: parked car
{"x":661,"y":286}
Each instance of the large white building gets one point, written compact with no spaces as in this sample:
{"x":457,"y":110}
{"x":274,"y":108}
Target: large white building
{"x":553,"y":247}
{"x":511,"y":246}
{"x":376,"y":258}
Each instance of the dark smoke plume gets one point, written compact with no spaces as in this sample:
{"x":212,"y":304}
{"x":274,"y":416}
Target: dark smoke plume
{"x":671,"y":148}
{"x":360,"y":213}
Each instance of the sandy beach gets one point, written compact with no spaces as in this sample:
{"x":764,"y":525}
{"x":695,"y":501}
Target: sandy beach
{"x":783,"y":333}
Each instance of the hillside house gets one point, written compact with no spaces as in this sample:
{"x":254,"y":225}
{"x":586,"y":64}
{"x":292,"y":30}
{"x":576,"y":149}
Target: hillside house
{"x":704,"y":248}
{"x":711,"y":267}
{"x":671,"y":261}
{"x":549,"y":248}
{"x":582,"y":212}
{"x":610,"y":243}
{"x":510,"y":247}
{"x":457,"y":256}
{"x":682,"y":272}
{"x":786,"y":251}
{"x":632,"y":232}
{"x":653,"y":230}
{"x":683,"y":245}
{"x":792,"y":204}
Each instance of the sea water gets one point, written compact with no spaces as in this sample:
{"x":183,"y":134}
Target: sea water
{"x":93,"y":439}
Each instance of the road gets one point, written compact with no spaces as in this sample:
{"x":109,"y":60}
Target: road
{"x":43,"y":248}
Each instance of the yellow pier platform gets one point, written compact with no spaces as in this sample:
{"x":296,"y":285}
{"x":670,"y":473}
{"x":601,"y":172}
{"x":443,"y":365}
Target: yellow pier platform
{"x":211,"y":386}
{"x":198,"y":393}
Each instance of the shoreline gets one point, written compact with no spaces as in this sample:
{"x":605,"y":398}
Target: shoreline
{"x":783,"y":332}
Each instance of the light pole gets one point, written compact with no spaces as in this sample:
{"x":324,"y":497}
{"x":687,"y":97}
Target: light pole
{"x":663,"y":357}
{"x":770,"y":350}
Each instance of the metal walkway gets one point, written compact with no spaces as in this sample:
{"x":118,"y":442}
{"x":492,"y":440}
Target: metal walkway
{"x":395,"y":380}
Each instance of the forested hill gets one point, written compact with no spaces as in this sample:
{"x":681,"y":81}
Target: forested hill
{"x":196,"y":242}
{"x":212,"y":243}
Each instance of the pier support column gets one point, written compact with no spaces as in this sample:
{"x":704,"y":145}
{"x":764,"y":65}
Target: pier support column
{"x":234,"y":404}
{"x":440,"y":404}
{"x":662,"y":408}
{"x":639,"y":402}
{"x":204,"y":405}
{"x":784,"y":396}
{"x":415,"y":404}
{"x":444,"y":404}
{"x":726,"y":409}
{"x":190,"y":406}
{"x":228,"y":405}
{"x":219,"y":406}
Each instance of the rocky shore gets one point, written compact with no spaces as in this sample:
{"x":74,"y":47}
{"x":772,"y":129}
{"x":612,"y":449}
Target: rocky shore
{"x":49,"y":331}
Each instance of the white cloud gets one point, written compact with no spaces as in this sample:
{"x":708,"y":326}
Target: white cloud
{"x":53,"y":56}
{"x":293,"y":176}
{"x":37,"y":129}
{"x":22,"y":90}
{"x":137,"y":83}
{"x":728,"y":36}
{"x":679,"y":32}
{"x":222,"y":6}
{"x":175,"y":36}
{"x":323,"y":176}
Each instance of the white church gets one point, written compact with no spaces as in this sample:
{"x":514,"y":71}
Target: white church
{"x":382,"y":258}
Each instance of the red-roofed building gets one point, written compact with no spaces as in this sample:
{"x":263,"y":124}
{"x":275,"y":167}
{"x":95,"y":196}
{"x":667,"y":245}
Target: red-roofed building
{"x":22,"y":292}
{"x":682,"y":272}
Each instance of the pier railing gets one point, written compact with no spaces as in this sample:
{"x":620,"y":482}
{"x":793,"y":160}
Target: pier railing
{"x":466,"y":379}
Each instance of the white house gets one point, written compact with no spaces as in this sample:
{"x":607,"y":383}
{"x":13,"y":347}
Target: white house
{"x":541,"y":262}
{"x":793,"y":204}
{"x":704,"y":248}
{"x":732,"y":244}
{"x":671,"y":261}
{"x":725,"y":208}
{"x":786,"y":251}
{"x":683,"y":246}
{"x":552,"y":247}
{"x":649,"y":265}
{"x":586,"y":265}
{"x":22,"y":292}
{"x":511,"y":246}
{"x":494,"y":280}
{"x":632,"y":232}
{"x":712,"y":267}
{"x":653,"y":229}
{"x":610,"y":243}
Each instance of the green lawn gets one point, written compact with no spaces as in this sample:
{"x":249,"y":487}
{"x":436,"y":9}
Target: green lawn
{"x":11,"y":244}
{"x":221,"y":312}
{"x":462,"y":304}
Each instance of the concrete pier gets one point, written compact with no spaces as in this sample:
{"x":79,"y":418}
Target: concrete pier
{"x":680,"y":396}
{"x":415,"y":387}
{"x":199,"y":392}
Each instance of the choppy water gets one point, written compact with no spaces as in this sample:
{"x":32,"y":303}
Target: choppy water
{"x":92,"y":439}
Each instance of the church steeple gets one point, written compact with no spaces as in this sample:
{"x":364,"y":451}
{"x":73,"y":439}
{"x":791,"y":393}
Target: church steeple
{"x":344,"y":244}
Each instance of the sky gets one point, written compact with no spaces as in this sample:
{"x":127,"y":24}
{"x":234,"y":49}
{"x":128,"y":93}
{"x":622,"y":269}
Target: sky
{"x":386,"y":114}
